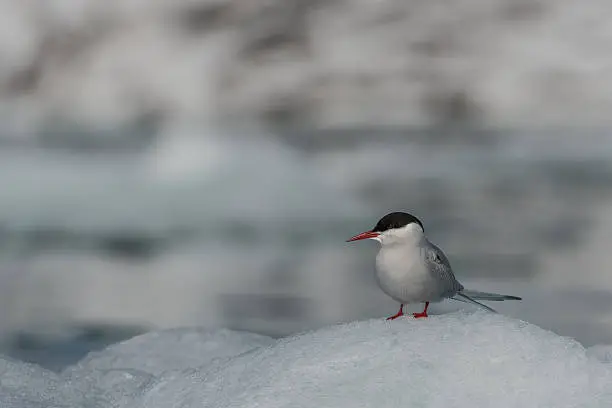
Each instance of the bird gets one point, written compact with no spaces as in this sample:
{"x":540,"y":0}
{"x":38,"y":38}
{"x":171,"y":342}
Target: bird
{"x":411,"y":269}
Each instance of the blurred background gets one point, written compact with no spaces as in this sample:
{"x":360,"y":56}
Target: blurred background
{"x":171,"y":163}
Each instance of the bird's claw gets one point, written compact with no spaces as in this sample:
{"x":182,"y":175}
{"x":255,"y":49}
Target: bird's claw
{"x":419,"y":315}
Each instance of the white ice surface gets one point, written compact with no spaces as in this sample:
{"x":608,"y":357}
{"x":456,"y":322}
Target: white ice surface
{"x":171,"y":349}
{"x":453,"y":360}
{"x":112,"y":377}
{"x":25,"y":385}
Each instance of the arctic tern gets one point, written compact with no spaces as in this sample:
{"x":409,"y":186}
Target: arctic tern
{"x":411,"y":269}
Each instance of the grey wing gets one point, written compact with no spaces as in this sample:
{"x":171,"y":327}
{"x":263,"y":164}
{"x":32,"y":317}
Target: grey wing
{"x":440,"y":266}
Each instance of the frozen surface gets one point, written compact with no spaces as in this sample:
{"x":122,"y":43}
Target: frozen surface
{"x":112,"y":377}
{"x":25,"y":385}
{"x":453,"y":360}
{"x":105,"y":388}
{"x":171,"y":349}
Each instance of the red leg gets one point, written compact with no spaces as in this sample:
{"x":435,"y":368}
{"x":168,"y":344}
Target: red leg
{"x":423,"y":313}
{"x":398,"y":314}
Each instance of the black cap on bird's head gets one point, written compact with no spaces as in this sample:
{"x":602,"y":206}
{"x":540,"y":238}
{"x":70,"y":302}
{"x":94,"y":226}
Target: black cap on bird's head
{"x":390,"y":221}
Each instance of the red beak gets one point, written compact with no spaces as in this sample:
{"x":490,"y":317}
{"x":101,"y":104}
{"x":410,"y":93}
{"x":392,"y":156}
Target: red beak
{"x":363,"y":235}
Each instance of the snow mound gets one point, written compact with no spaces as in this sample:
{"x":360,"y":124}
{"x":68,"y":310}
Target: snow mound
{"x":455,"y":360}
{"x":113,"y":376}
{"x":172,"y":349}
{"x":459,"y":359}
{"x":24,"y":385}
{"x":108,"y":388}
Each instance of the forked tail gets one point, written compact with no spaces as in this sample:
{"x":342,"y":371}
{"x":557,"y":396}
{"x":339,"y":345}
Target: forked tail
{"x":470,"y":296}
{"x":491,"y":297}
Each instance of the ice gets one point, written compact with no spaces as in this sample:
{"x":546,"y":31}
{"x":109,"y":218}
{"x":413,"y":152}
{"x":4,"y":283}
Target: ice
{"x":171,"y":349}
{"x":25,"y":385}
{"x":459,"y":360}
{"x":105,"y":388}
{"x":113,"y":376}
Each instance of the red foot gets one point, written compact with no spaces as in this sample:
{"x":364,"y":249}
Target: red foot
{"x":423,"y":313}
{"x":398,"y":314}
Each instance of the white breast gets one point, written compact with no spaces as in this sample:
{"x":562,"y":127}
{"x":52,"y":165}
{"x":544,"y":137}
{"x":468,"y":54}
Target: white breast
{"x":402,"y":274}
